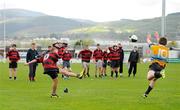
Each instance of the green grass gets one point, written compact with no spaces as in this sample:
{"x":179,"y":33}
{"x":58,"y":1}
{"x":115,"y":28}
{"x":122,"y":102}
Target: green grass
{"x":90,"y":93}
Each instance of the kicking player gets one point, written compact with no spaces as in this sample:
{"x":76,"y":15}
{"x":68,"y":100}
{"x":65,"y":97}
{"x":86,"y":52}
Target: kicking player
{"x":97,"y":59}
{"x":159,"y":59}
{"x":49,"y":61}
{"x":85,"y":56}
{"x":13,"y":57}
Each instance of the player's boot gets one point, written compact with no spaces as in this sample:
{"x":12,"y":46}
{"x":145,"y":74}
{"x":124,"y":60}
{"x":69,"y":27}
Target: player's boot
{"x":54,"y":96}
{"x":163,"y":74}
{"x":144,"y":95}
{"x":80,"y":75}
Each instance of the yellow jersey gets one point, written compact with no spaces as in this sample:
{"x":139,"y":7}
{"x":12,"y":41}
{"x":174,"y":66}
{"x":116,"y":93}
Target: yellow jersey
{"x":160,"y":54}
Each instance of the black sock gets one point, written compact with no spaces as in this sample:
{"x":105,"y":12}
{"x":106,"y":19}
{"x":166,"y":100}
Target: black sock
{"x":10,"y":77}
{"x":14,"y":78}
{"x":148,"y":90}
{"x":116,"y":73}
{"x":88,"y":74}
{"x":112,"y":73}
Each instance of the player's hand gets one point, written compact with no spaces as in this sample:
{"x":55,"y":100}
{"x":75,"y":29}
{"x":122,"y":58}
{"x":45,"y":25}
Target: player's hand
{"x":148,"y":39}
{"x":25,"y":64}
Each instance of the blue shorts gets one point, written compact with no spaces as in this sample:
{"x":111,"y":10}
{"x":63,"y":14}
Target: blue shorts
{"x":66,"y":64}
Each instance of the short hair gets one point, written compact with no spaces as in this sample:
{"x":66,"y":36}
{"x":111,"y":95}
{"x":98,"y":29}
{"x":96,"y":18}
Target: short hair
{"x":49,"y":46}
{"x":13,"y":45}
{"x":98,"y":45}
{"x":33,"y":43}
{"x":163,"y":41}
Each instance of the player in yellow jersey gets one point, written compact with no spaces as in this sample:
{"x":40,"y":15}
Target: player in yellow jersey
{"x":159,"y":57}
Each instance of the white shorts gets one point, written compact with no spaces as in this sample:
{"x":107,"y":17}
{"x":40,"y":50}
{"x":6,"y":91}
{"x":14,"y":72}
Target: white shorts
{"x":85,"y":64}
{"x":99,"y":63}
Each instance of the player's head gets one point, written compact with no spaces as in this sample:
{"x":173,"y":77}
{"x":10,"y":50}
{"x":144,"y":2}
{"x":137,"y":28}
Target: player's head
{"x":98,"y":46}
{"x":86,"y":47}
{"x":163,"y":41}
{"x":115,"y":47}
{"x":33,"y":45}
{"x":13,"y":46}
{"x":55,"y":47}
{"x":135,"y":48}
{"x":49,"y":47}
{"x":106,"y":49}
{"x":119,"y":45}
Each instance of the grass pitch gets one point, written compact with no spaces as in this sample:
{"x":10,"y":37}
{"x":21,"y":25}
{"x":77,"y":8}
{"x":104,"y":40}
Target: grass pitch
{"x":90,"y":93}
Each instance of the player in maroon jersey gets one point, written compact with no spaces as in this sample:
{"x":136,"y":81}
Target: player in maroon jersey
{"x":97,"y":59}
{"x":105,"y":59}
{"x":114,"y":57}
{"x":66,"y":57}
{"x":49,"y":61}
{"x":13,"y":57}
{"x":85,"y":56}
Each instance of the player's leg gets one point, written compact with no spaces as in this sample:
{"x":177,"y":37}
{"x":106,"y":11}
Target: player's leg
{"x":30,"y":71}
{"x":54,"y":85}
{"x":130,"y":69}
{"x":88,"y":68}
{"x":116,"y":71}
{"x":121,"y":68}
{"x":134,"y":69}
{"x":69,"y":73}
{"x":10,"y":73}
{"x":34,"y":71}
{"x":15,"y":73}
{"x":151,"y":79}
{"x":96,"y":67}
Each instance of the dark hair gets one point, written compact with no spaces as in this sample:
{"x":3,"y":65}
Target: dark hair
{"x":33,"y":43}
{"x":98,"y":45}
{"x":163,"y":41}
{"x":13,"y":45}
{"x":49,"y":46}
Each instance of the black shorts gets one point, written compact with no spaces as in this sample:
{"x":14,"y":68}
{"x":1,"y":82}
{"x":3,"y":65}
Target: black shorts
{"x":52,"y":73}
{"x":114,"y":63}
{"x":13,"y":65}
{"x":104,"y":63}
{"x":156,"y":67}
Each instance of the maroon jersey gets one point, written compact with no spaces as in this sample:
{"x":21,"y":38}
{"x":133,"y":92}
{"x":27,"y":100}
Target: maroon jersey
{"x":114,"y":55}
{"x":85,"y":55}
{"x":61,"y":51}
{"x":49,"y":60}
{"x":98,"y":54}
{"x":13,"y":55}
{"x":105,"y":55}
{"x":66,"y":56}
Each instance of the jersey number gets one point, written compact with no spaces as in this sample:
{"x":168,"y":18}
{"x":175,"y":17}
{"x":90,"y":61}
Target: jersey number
{"x":162,"y":53}
{"x":46,"y":57}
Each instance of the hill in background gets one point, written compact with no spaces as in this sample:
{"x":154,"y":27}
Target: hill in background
{"x":27,"y":23}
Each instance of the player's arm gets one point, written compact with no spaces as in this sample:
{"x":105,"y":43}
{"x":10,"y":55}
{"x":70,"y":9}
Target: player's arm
{"x":172,"y":48}
{"x":148,"y":39}
{"x":33,"y":61}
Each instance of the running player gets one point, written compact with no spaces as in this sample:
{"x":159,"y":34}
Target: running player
{"x":85,"y":56}
{"x":49,"y":61}
{"x":13,"y":57}
{"x":159,"y":59}
{"x":97,"y":58}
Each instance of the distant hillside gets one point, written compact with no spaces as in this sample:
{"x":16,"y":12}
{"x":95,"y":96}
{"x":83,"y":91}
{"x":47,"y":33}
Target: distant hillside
{"x":28,"y":23}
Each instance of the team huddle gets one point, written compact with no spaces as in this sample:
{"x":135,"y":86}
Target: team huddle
{"x":112,"y":56}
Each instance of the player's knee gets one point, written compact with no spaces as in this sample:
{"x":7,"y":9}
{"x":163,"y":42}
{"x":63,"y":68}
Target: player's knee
{"x":157,"y":75}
